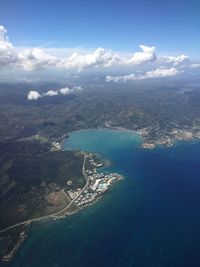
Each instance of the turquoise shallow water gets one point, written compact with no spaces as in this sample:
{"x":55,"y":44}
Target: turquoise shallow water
{"x":149,"y":219}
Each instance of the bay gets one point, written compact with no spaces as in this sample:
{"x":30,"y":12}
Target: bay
{"x":151,"y":218}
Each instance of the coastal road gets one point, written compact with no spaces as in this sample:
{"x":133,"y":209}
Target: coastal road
{"x":56,"y":214}
{"x":73,"y":200}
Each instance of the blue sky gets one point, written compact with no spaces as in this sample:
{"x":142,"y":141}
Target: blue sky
{"x":126,"y":40}
{"x":171,"y":26}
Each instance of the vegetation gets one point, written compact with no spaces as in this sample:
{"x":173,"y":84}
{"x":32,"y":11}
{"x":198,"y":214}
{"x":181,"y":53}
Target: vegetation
{"x":32,"y":174}
{"x":29,"y":174}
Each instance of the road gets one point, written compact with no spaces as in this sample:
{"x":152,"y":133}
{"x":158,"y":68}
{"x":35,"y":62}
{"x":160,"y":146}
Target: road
{"x":86,"y":185}
{"x":56,"y":214}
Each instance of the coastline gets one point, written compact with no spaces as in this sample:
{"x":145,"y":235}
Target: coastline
{"x":63,"y":213}
{"x":11,"y":253}
{"x":66,"y":211}
{"x":67,"y":135}
{"x":147,"y":143}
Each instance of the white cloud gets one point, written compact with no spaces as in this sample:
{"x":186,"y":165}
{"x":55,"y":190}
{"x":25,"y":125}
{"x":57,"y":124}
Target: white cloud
{"x":32,"y":59}
{"x":158,"y":73}
{"x":8,"y":56}
{"x":4,"y":42}
{"x":99,"y":58}
{"x":147,"y":55}
{"x":33,"y":95}
{"x":28,"y":59}
{"x":65,"y":91}
{"x":51,"y":93}
{"x":36,"y":59}
{"x":175,"y":60}
{"x":161,"y":72}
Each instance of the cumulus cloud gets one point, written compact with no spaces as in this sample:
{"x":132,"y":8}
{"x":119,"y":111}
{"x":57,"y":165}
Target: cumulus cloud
{"x":8,"y":55}
{"x":28,"y":59}
{"x":158,"y":73}
{"x":51,"y":93}
{"x":33,"y":59}
{"x":36,"y":59}
{"x":3,"y":38}
{"x":175,"y":60}
{"x":65,"y":91}
{"x":100,"y":57}
{"x":35,"y":95}
{"x":147,"y":55}
{"x":161,"y":72}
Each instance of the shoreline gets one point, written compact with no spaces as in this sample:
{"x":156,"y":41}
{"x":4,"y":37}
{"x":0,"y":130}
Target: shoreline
{"x":8,"y":257}
{"x":114,"y":177}
{"x":146,"y":143}
{"x":67,"y":135}
{"x":106,"y":163}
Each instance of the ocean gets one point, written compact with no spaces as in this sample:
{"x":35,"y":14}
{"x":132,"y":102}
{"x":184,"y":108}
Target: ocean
{"x":151,"y":218}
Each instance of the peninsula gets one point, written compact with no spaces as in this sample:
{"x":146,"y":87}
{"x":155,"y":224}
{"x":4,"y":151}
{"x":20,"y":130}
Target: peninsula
{"x":38,"y":179}
{"x":96,"y":184}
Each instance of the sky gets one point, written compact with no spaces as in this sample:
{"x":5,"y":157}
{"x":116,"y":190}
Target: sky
{"x":117,"y":28}
{"x":171,"y":25}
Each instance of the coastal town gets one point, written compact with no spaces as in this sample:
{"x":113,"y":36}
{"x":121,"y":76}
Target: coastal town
{"x":152,"y":136}
{"x":156,"y":135}
{"x":97,"y":183}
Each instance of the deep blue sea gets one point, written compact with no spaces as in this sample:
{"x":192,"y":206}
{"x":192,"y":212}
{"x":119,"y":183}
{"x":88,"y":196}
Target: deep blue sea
{"x":150,"y":219}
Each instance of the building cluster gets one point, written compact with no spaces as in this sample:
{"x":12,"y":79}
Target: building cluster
{"x":154,"y":136}
{"x":92,"y":162}
{"x":56,"y":146}
{"x":98,"y":183}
